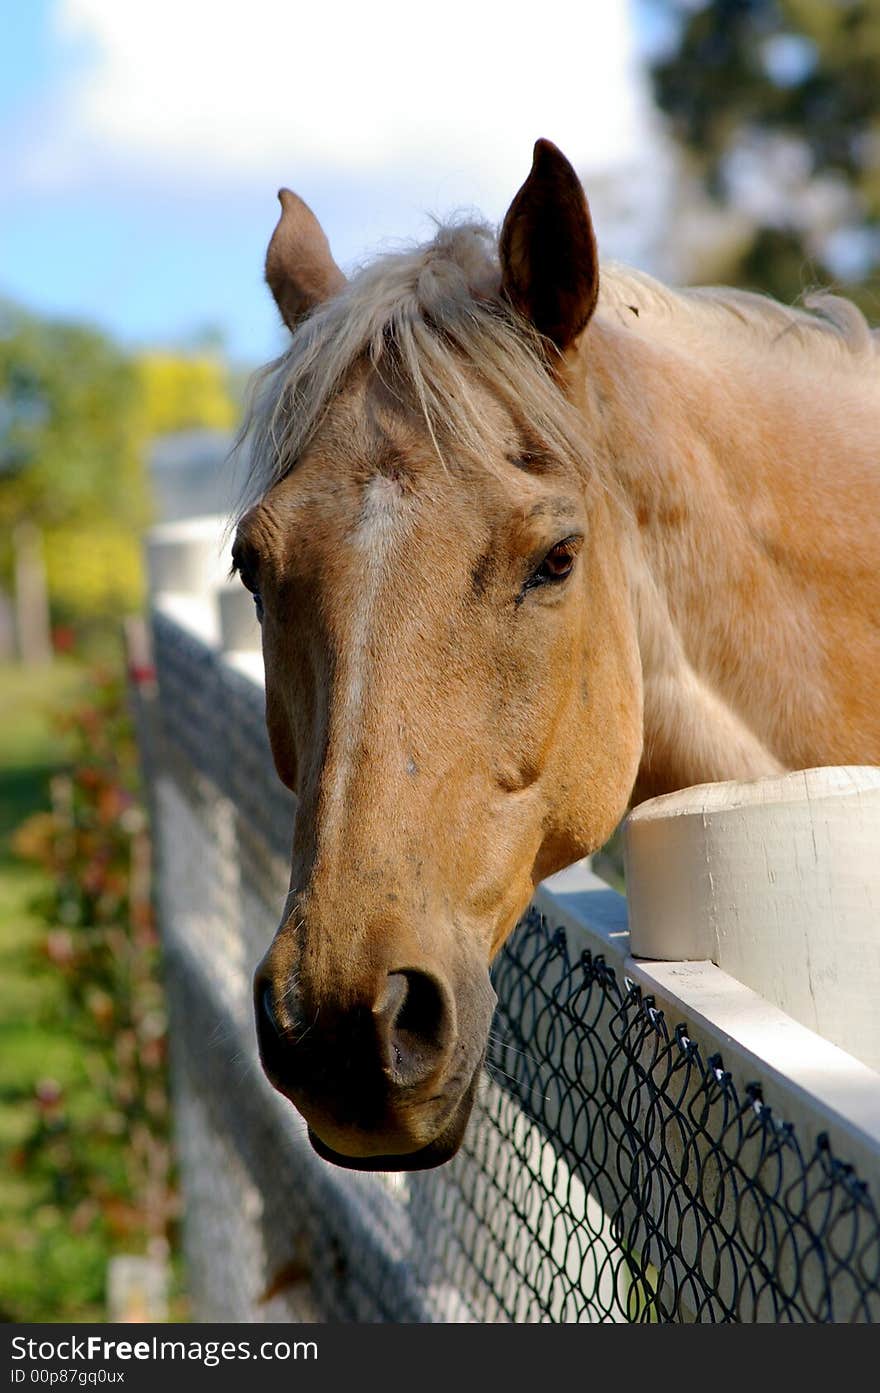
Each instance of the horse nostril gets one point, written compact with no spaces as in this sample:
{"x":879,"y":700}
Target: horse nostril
{"x":278,"y":1043}
{"x":416,"y":1025}
{"x":267,"y":1011}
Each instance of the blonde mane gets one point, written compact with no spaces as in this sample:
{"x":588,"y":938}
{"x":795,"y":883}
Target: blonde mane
{"x":827,"y":329}
{"x":430,"y":317}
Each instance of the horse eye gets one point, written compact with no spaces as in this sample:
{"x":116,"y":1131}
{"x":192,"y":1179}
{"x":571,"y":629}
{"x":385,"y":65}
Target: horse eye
{"x":557,"y":564}
{"x":245,"y":575}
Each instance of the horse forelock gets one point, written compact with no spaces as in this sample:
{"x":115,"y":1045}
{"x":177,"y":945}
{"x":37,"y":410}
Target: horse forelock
{"x":430,"y":321}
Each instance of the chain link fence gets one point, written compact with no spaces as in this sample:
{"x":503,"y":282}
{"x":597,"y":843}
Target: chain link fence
{"x":615,"y":1168}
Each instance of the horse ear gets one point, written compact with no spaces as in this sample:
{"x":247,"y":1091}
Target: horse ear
{"x":549,"y":263}
{"x":300,"y":270}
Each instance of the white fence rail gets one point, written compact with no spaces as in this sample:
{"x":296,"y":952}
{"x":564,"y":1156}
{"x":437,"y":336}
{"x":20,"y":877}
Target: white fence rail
{"x":655,"y":1140}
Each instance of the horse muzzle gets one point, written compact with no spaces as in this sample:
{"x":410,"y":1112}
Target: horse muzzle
{"x":385,"y":1082}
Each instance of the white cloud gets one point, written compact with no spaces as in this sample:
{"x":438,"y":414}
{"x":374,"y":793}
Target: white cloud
{"x":454,"y":92}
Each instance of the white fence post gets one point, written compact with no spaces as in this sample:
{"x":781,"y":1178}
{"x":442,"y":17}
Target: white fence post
{"x":777,"y":881}
{"x":187,"y":557}
{"x":188,"y":563}
{"x":239,"y":628}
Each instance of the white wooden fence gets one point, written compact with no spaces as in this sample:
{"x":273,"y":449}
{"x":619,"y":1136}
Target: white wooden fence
{"x":681,"y":1118}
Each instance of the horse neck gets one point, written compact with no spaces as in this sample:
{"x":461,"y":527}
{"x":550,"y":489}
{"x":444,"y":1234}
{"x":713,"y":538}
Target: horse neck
{"x":724,"y":470}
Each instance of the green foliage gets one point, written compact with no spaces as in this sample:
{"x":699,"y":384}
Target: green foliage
{"x":93,"y":570}
{"x":746,"y":75}
{"x":83,"y":1105}
{"x":183,"y":391}
{"x":69,"y":450}
{"x":76,"y":418}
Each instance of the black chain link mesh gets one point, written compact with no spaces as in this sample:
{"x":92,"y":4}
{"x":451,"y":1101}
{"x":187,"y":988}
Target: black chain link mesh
{"x":717,"y":1211}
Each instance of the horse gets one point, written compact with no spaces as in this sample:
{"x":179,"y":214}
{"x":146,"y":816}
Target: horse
{"x":530,"y":541}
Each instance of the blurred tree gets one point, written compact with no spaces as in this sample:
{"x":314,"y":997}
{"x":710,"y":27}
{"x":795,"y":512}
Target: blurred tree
{"x":777,"y":103}
{"x":181,"y":392}
{"x":69,"y":452}
{"x":76,"y":413}
{"x":70,"y":465}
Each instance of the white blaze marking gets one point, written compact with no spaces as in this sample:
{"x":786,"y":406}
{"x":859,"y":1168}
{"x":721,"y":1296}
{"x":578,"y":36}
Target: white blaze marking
{"x":379,"y":529}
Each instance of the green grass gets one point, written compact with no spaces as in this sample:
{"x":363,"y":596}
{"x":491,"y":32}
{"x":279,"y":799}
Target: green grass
{"x":29,"y":697}
{"x":46,"y":1271}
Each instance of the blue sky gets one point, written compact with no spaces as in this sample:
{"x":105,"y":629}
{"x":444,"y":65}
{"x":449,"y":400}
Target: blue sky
{"x":142,"y":141}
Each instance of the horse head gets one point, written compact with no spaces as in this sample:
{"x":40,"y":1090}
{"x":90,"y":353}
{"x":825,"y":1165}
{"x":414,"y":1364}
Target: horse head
{"x":452,"y":675}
